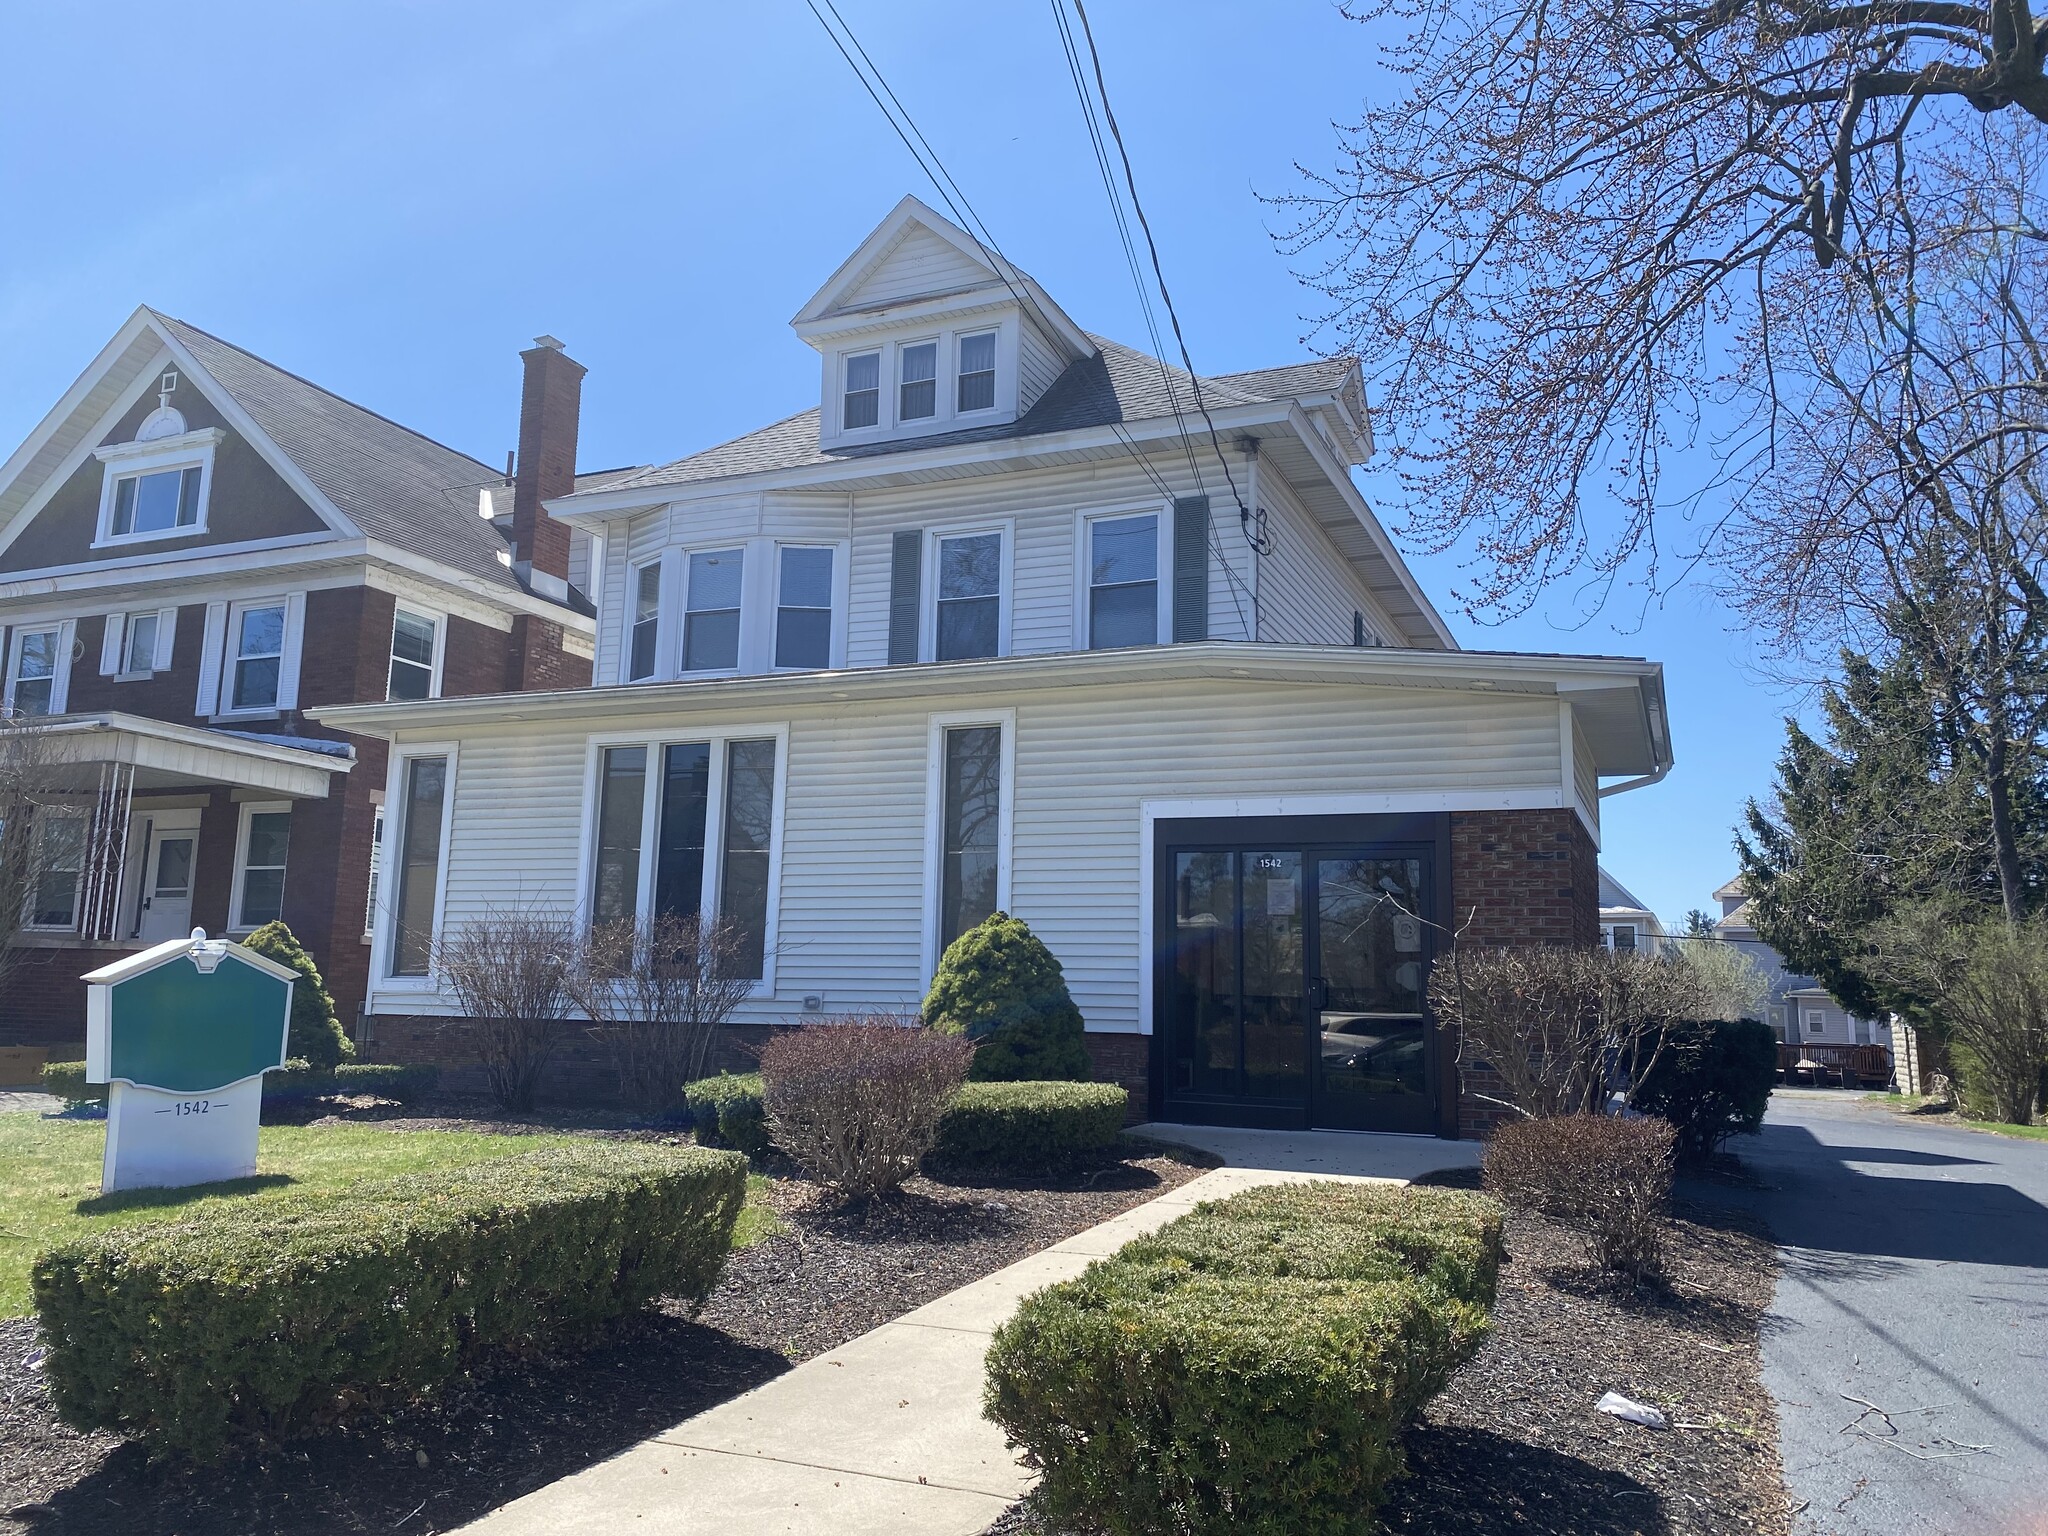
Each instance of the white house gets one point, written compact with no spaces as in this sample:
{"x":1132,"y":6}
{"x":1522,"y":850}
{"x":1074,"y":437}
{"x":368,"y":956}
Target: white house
{"x":999,"y":624}
{"x":1625,"y":923}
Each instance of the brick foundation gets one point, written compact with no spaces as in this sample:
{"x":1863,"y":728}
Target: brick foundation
{"x":1125,"y":1059}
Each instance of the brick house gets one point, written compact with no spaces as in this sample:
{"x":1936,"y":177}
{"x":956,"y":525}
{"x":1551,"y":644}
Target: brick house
{"x":198,"y":548}
{"x":1005,"y":622}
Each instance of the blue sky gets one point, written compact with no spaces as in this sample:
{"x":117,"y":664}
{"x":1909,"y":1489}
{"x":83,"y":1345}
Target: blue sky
{"x":393,"y":198}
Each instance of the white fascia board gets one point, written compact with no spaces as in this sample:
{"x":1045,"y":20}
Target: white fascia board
{"x":1339,"y":475}
{"x":505,"y":599}
{"x":847,"y":474}
{"x":1339,"y":666}
{"x":954,"y":303}
{"x":75,"y":396}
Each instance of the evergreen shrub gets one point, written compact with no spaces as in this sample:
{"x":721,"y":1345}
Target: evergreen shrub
{"x":1030,"y":1125}
{"x":316,"y":1036}
{"x":1712,"y":1081}
{"x":999,"y":985}
{"x":269,"y":1319}
{"x":730,"y":1110}
{"x":1251,"y":1366}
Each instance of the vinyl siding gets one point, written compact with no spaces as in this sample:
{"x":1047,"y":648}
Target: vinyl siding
{"x":852,"y":898}
{"x":920,"y":264}
{"x":1585,"y":778}
{"x":1307,"y":591}
{"x":1038,"y":365}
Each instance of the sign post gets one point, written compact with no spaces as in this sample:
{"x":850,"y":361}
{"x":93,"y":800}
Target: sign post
{"x":183,"y":1034}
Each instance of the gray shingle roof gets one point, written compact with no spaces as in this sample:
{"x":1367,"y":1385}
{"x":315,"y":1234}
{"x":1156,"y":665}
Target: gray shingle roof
{"x":1116,"y":384}
{"x":399,"y":487}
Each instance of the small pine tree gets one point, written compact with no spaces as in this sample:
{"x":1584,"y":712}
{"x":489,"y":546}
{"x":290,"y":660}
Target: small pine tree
{"x":316,"y":1035}
{"x":1001,"y":987}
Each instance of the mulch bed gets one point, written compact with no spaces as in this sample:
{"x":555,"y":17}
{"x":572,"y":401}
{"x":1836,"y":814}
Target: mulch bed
{"x":1513,"y":1447}
{"x":827,"y":1277}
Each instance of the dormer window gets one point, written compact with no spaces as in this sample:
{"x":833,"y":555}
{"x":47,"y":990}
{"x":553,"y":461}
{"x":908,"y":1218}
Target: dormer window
{"x":156,"y":488}
{"x":918,"y":388}
{"x":977,"y":376}
{"x":862,"y":406}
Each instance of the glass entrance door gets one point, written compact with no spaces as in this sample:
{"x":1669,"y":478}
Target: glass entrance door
{"x":1371,"y":955}
{"x":1293,"y":987}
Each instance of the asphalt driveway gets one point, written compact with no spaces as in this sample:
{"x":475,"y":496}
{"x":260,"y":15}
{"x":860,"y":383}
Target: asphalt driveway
{"x":1907,"y":1345}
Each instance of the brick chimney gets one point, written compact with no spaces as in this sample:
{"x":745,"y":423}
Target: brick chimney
{"x":549,"y":404}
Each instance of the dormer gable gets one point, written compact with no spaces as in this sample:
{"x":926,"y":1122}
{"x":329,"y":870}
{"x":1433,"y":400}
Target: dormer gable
{"x":922,"y":330}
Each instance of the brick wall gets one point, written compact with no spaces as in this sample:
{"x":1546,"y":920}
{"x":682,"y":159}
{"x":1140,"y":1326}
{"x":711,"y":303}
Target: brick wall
{"x":1518,"y":877}
{"x":44,"y":1001}
{"x":543,"y":663}
{"x":1125,"y":1059}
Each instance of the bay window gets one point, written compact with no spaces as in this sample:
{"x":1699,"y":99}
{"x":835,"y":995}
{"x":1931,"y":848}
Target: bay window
{"x":711,"y":612}
{"x":644,"y":638}
{"x":803,"y":611}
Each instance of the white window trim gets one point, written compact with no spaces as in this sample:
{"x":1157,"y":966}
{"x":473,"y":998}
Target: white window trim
{"x":841,"y":588}
{"x":628,"y":620}
{"x":374,"y":880}
{"x":884,"y":409}
{"x":60,"y":813}
{"x":928,"y":585}
{"x":934,"y":818}
{"x":386,"y":917}
{"x":248,"y":810}
{"x":714,"y":825}
{"x":953,"y":340}
{"x":188,"y":450}
{"x":748,"y":551}
{"x":1088,"y":516}
{"x":290,"y":648}
{"x":942,"y":377}
{"x":60,"y":675}
{"x":440,"y":622}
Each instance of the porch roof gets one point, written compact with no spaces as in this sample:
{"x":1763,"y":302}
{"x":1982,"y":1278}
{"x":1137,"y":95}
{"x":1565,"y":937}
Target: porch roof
{"x":166,"y":755}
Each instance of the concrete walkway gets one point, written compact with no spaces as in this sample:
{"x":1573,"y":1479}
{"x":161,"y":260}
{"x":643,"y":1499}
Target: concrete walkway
{"x":1907,"y":1344}
{"x":884,"y":1435}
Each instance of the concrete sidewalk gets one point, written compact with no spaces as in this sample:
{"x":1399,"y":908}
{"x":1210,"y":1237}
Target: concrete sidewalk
{"x":884,"y":1435}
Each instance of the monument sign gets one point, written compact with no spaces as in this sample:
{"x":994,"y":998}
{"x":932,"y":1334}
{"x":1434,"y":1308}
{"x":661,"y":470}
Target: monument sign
{"x":183,"y":1033}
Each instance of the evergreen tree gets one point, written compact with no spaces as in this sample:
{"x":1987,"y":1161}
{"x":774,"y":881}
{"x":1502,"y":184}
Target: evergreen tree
{"x":1000,"y":986}
{"x":316,"y":1036}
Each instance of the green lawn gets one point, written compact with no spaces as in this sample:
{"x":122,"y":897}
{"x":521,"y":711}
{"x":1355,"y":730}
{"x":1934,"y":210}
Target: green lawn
{"x":2028,"y":1132}
{"x":50,"y":1179}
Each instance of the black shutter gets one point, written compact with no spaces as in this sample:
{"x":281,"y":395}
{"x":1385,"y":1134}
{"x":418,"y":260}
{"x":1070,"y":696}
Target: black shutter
{"x":1190,"y":569}
{"x":907,"y":554}
{"x":1357,"y":627}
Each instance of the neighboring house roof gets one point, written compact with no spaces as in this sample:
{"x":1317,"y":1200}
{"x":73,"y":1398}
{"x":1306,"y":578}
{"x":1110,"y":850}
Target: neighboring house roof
{"x":397,"y":486}
{"x":1730,"y":891}
{"x":1614,"y":894}
{"x":1117,"y":384}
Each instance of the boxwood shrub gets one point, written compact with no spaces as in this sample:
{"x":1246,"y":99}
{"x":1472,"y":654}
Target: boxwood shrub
{"x":1251,"y":1366}
{"x":296,"y":1081}
{"x":1712,"y":1081}
{"x":271,"y":1318}
{"x":1030,"y":1125}
{"x":729,"y":1111}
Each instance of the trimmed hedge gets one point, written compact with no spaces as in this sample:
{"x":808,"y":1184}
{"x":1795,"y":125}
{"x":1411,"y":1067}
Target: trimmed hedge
{"x":272,"y":1318}
{"x":1030,"y":1125}
{"x":1712,"y":1081}
{"x":66,"y":1080}
{"x":729,"y":1111}
{"x":1249,"y":1367}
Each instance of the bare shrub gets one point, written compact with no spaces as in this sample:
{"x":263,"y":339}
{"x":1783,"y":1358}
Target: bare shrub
{"x":658,"y":992}
{"x":1607,"y":1175}
{"x":510,"y":970}
{"x":856,"y":1101}
{"x":1561,"y":1028}
{"x":30,"y":789}
{"x":1988,"y":981}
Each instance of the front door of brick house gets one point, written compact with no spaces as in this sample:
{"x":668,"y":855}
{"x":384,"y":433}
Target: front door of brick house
{"x":164,"y":902}
{"x":1292,"y":962}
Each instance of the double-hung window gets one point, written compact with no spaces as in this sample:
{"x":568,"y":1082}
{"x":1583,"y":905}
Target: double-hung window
{"x":711,"y":615}
{"x":422,"y":818}
{"x":138,"y":644}
{"x":157,"y":486}
{"x":861,"y":401}
{"x":38,"y":663}
{"x":967,"y":620}
{"x":688,"y":828}
{"x":59,"y":870}
{"x":415,"y":645}
{"x":643,"y":640}
{"x":1123,"y":581}
{"x":255,"y":656}
{"x":975,"y":381}
{"x":917,"y":386}
{"x":260,"y":856}
{"x":803,"y":608}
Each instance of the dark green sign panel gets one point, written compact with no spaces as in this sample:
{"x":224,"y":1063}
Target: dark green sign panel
{"x":177,"y":1028}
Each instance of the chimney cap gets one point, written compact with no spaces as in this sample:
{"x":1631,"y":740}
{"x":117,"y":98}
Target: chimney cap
{"x":553,"y":344}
